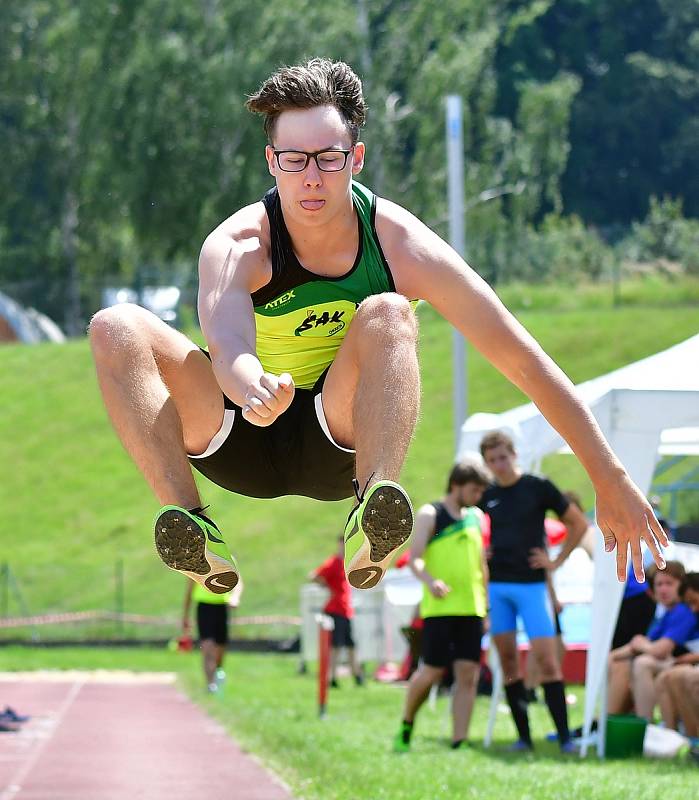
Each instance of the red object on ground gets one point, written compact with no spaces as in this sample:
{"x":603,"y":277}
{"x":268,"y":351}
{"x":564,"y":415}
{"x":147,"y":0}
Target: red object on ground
{"x":403,"y":560}
{"x":185,"y":644}
{"x":87,"y":740}
{"x":332,"y":571}
{"x":324,"y":639}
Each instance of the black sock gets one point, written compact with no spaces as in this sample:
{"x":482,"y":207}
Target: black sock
{"x":455,"y":744}
{"x":406,"y":731}
{"x":517,"y":700}
{"x":555,"y":696}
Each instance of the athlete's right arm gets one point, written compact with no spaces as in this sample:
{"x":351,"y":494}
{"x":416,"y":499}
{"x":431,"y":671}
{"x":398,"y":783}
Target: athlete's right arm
{"x":231,"y":268}
{"x":424,"y":528}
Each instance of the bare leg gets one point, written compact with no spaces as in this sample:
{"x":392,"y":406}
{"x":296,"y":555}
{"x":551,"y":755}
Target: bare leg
{"x":666,"y":698}
{"x":208,"y":652}
{"x":372,"y":391}
{"x":334,"y":658}
{"x":643,"y":674}
{"x":545,"y":651}
{"x":220,"y":655}
{"x":419,"y":688}
{"x":506,"y":644}
{"x":619,"y":691}
{"x":465,"y":684}
{"x":354,"y":663}
{"x":161,"y":395}
{"x":690,"y":708}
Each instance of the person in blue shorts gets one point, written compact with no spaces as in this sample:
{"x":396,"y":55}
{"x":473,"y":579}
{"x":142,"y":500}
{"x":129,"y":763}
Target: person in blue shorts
{"x":517,"y":504}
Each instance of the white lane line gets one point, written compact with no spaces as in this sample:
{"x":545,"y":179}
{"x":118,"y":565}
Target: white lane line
{"x":14,"y":787}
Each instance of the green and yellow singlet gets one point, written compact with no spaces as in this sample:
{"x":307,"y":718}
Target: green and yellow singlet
{"x":453,"y":555}
{"x":302,"y":317}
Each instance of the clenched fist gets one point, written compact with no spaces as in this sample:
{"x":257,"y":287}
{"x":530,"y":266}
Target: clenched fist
{"x":268,"y":398}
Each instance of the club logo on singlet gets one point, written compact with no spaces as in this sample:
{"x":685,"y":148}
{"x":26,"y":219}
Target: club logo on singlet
{"x":314,"y":321}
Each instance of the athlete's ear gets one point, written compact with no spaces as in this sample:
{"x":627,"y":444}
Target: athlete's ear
{"x":358,"y":158}
{"x":271,"y":162}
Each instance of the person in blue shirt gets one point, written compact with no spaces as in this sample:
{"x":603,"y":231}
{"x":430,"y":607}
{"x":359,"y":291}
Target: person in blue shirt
{"x":633,"y":667}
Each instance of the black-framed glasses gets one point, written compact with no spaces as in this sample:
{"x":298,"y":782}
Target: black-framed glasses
{"x":326,"y":160}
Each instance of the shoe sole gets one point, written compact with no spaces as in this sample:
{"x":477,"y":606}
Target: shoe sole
{"x":181,"y":545}
{"x":387,"y":522}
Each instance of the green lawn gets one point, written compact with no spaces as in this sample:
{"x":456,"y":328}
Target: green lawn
{"x":76,"y":504}
{"x":272,"y":712}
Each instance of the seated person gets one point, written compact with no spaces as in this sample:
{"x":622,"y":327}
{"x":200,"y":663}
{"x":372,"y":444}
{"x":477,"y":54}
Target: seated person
{"x":634,"y":666}
{"x":677,"y":688}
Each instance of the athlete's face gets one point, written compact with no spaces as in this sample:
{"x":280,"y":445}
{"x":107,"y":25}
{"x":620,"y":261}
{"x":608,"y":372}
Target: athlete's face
{"x":502,"y":462}
{"x":666,"y":589}
{"x":312,"y":196}
{"x":691,"y":598}
{"x":469,"y":494}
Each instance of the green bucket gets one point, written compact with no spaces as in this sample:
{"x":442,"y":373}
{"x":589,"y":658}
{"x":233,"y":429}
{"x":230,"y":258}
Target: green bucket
{"x":625,"y":733}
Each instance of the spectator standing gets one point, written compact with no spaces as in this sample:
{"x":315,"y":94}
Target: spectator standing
{"x":517,"y":504}
{"x":331,"y":574}
{"x":447,"y":556}
{"x":212,"y":625}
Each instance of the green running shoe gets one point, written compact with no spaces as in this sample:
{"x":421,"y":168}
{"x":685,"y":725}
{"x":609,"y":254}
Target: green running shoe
{"x":376,"y":528}
{"x":401,"y":744}
{"x":190,"y":543}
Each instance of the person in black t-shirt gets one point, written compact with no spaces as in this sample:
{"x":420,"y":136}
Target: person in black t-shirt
{"x":517,"y":504}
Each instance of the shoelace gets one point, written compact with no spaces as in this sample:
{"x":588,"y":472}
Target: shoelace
{"x":360,"y":497}
{"x":199,"y":512}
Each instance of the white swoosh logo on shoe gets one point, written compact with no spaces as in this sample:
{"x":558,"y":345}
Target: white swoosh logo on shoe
{"x":215,"y":582}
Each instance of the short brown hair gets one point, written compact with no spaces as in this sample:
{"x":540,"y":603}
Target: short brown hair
{"x":468,"y":472}
{"x":673,"y":568}
{"x":495,"y":439}
{"x":319,"y":82}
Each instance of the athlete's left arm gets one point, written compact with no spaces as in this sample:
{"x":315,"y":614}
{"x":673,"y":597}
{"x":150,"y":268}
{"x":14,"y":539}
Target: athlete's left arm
{"x":425,"y":266}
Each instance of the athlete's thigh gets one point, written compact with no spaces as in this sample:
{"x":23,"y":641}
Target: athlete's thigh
{"x":340,"y":387}
{"x":534,"y":607}
{"x":189,"y":377}
{"x":503,"y":612}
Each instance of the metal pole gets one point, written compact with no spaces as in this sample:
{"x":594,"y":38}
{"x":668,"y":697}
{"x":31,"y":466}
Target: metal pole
{"x":457,"y":239}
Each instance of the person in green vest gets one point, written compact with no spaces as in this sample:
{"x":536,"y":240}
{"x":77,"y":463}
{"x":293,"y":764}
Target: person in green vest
{"x":447,"y":556}
{"x":212,"y":625}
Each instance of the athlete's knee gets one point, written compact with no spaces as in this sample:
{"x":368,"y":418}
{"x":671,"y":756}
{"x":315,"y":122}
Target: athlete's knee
{"x":642,"y":663}
{"x":114,"y":328}
{"x":388,"y":313}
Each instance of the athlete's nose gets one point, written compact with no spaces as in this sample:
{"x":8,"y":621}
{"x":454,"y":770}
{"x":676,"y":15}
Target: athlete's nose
{"x":313,"y":177}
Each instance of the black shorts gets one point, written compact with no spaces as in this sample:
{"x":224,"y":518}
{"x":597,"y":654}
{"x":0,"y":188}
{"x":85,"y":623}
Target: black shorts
{"x":294,"y":455}
{"x":342,"y":632}
{"x":212,"y":622}
{"x":447,"y":639}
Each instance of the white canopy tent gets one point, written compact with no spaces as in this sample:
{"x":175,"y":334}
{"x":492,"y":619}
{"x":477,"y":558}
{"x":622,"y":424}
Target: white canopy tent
{"x":645,"y":409}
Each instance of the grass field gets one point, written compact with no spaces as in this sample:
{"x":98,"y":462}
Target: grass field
{"x":272,"y":712}
{"x":78,"y":504}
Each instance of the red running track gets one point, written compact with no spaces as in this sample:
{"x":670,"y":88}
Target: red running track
{"x":104,"y":740}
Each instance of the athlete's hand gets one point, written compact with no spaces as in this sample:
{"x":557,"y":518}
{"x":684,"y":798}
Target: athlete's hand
{"x":539,"y":559}
{"x":625,"y":518}
{"x":268,"y":398}
{"x":438,"y":588}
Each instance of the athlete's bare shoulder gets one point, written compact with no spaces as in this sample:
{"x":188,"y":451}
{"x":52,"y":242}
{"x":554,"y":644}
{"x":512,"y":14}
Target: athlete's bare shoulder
{"x":411,"y":248}
{"x":239,"y":246}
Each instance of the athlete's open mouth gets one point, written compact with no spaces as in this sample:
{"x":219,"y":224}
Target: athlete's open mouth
{"x":312,"y":205}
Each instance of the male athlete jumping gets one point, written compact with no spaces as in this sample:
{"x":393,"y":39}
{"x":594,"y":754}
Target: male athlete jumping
{"x":304,"y":302}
